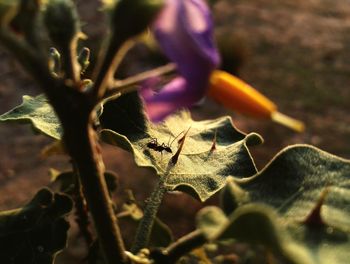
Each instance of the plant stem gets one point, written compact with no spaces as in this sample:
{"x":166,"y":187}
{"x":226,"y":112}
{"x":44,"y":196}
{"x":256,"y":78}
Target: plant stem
{"x":70,"y":63}
{"x":75,"y":111}
{"x":127,"y":85}
{"x":181,"y":247}
{"x":104,"y":72}
{"x":144,"y":229}
{"x":85,"y":151}
{"x":185,"y":245}
{"x":81,"y":210}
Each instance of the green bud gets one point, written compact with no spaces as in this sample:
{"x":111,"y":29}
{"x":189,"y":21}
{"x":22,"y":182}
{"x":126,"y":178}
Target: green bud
{"x":84,"y":59}
{"x":8,"y":10}
{"x":62,"y":21}
{"x":132,"y":17}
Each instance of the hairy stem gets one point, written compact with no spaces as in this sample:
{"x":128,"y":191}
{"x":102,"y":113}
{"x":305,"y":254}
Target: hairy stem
{"x":144,"y":229}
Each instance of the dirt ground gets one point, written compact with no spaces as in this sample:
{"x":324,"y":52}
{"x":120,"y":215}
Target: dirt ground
{"x":297,"y":52}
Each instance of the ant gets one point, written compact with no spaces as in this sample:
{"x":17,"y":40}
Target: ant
{"x":153,"y":144}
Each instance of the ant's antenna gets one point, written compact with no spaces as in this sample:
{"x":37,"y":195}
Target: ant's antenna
{"x":175,"y":138}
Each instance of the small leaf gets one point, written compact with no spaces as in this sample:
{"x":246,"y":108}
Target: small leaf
{"x":53,"y":148}
{"x":37,"y":112}
{"x":210,"y":221}
{"x":199,"y":170}
{"x":36,"y":232}
{"x":65,"y":180}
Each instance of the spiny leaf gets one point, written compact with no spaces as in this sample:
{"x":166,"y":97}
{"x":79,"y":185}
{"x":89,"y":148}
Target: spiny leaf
{"x":293,"y":184}
{"x":36,"y":232}
{"x":200,"y":170}
{"x":37,"y":112}
{"x":294,"y":180}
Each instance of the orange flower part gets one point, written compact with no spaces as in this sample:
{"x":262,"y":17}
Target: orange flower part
{"x":239,"y":96}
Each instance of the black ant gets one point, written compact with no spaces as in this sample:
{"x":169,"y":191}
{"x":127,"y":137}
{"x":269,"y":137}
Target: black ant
{"x":153,"y":144}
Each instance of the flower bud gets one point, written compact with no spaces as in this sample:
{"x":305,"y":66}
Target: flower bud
{"x":130,"y":18}
{"x":54,"y":61}
{"x":84,"y":59}
{"x":62,"y":21}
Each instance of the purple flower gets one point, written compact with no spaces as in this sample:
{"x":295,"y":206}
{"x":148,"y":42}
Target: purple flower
{"x":184,"y":31}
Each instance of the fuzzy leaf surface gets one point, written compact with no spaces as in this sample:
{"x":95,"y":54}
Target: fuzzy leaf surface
{"x":293,"y":184}
{"x":37,"y":112}
{"x":200,"y":170}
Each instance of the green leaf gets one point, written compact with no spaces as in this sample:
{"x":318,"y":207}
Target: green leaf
{"x":232,"y":196}
{"x":37,"y":112}
{"x":302,"y":180}
{"x":200,"y":170}
{"x":294,"y":180}
{"x":210,"y":220}
{"x":36,"y":232}
{"x":256,"y":224}
{"x":124,"y":114}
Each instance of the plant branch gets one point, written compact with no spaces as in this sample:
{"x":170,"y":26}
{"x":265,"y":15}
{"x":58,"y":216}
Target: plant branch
{"x":181,"y":247}
{"x":82,"y":216}
{"x":104,"y":72}
{"x":127,"y":85}
{"x":69,"y":57}
{"x":185,"y":245}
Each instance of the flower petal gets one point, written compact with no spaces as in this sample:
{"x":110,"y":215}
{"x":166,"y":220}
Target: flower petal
{"x":184,"y":31}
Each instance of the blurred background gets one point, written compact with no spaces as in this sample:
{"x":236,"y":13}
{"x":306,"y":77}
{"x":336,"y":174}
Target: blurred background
{"x":296,"y":52}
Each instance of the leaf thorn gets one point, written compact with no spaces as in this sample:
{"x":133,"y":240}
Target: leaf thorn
{"x":314,"y":218}
{"x":181,"y":142}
